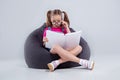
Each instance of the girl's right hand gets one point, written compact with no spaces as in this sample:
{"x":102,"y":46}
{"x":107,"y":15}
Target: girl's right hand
{"x":45,"y":39}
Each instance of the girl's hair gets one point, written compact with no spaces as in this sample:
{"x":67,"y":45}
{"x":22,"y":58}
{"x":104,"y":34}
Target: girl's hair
{"x":51,"y":13}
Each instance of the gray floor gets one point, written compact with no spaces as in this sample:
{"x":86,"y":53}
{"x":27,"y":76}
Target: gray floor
{"x":106,"y":67}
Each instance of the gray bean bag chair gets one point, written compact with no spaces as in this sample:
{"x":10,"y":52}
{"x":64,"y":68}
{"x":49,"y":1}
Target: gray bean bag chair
{"x":37,"y":56}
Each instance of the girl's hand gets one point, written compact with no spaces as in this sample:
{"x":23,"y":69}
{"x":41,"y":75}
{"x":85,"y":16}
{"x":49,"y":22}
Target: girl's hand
{"x":45,"y":39}
{"x":65,"y":24}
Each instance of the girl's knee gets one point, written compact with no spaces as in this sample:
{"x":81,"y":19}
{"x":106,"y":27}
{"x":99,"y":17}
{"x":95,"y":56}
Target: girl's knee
{"x":54,"y":49}
{"x":79,"y":48}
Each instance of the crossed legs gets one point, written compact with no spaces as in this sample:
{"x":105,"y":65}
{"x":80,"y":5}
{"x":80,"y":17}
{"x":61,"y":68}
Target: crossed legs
{"x":70,"y":55}
{"x":66,"y":55}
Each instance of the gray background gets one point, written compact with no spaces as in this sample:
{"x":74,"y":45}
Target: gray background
{"x":98,"y":19}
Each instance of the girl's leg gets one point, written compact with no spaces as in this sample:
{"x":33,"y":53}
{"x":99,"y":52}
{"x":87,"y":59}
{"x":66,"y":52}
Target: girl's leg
{"x":61,"y":52}
{"x":74,"y":52}
{"x":64,"y":54}
{"x":68,"y":56}
{"x":77,"y":50}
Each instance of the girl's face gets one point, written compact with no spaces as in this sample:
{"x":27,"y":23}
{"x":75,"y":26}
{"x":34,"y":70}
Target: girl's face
{"x":56,"y":20}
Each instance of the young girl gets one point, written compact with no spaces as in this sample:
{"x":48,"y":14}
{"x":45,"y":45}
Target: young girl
{"x":58,"y":21}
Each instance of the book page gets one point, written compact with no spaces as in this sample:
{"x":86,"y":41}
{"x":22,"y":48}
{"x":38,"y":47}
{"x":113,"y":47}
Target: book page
{"x":54,"y":38}
{"x":72,"y":40}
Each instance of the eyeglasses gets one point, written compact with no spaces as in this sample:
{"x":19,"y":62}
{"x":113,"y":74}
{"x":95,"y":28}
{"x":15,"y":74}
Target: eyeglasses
{"x":56,"y":22}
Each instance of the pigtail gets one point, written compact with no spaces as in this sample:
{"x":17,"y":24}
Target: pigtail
{"x":66,"y":18}
{"x":48,"y":19}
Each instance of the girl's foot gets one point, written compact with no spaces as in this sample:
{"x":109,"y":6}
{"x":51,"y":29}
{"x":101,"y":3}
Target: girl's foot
{"x":91,"y":65}
{"x":53,"y":65}
{"x":87,"y":64}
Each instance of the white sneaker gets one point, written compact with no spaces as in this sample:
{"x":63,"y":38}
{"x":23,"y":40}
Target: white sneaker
{"x":52,"y":65}
{"x":87,"y":64}
{"x":90,"y":65}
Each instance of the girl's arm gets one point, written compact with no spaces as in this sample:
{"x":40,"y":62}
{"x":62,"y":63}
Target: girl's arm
{"x":68,"y":30}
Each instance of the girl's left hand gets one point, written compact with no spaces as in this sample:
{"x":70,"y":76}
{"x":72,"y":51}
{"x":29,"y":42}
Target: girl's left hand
{"x":65,"y":24}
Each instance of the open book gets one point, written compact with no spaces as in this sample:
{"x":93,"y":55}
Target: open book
{"x":67,"y":41}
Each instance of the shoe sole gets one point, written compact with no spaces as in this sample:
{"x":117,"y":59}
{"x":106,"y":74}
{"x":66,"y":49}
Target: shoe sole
{"x":50,"y":67}
{"x":92,"y":66}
